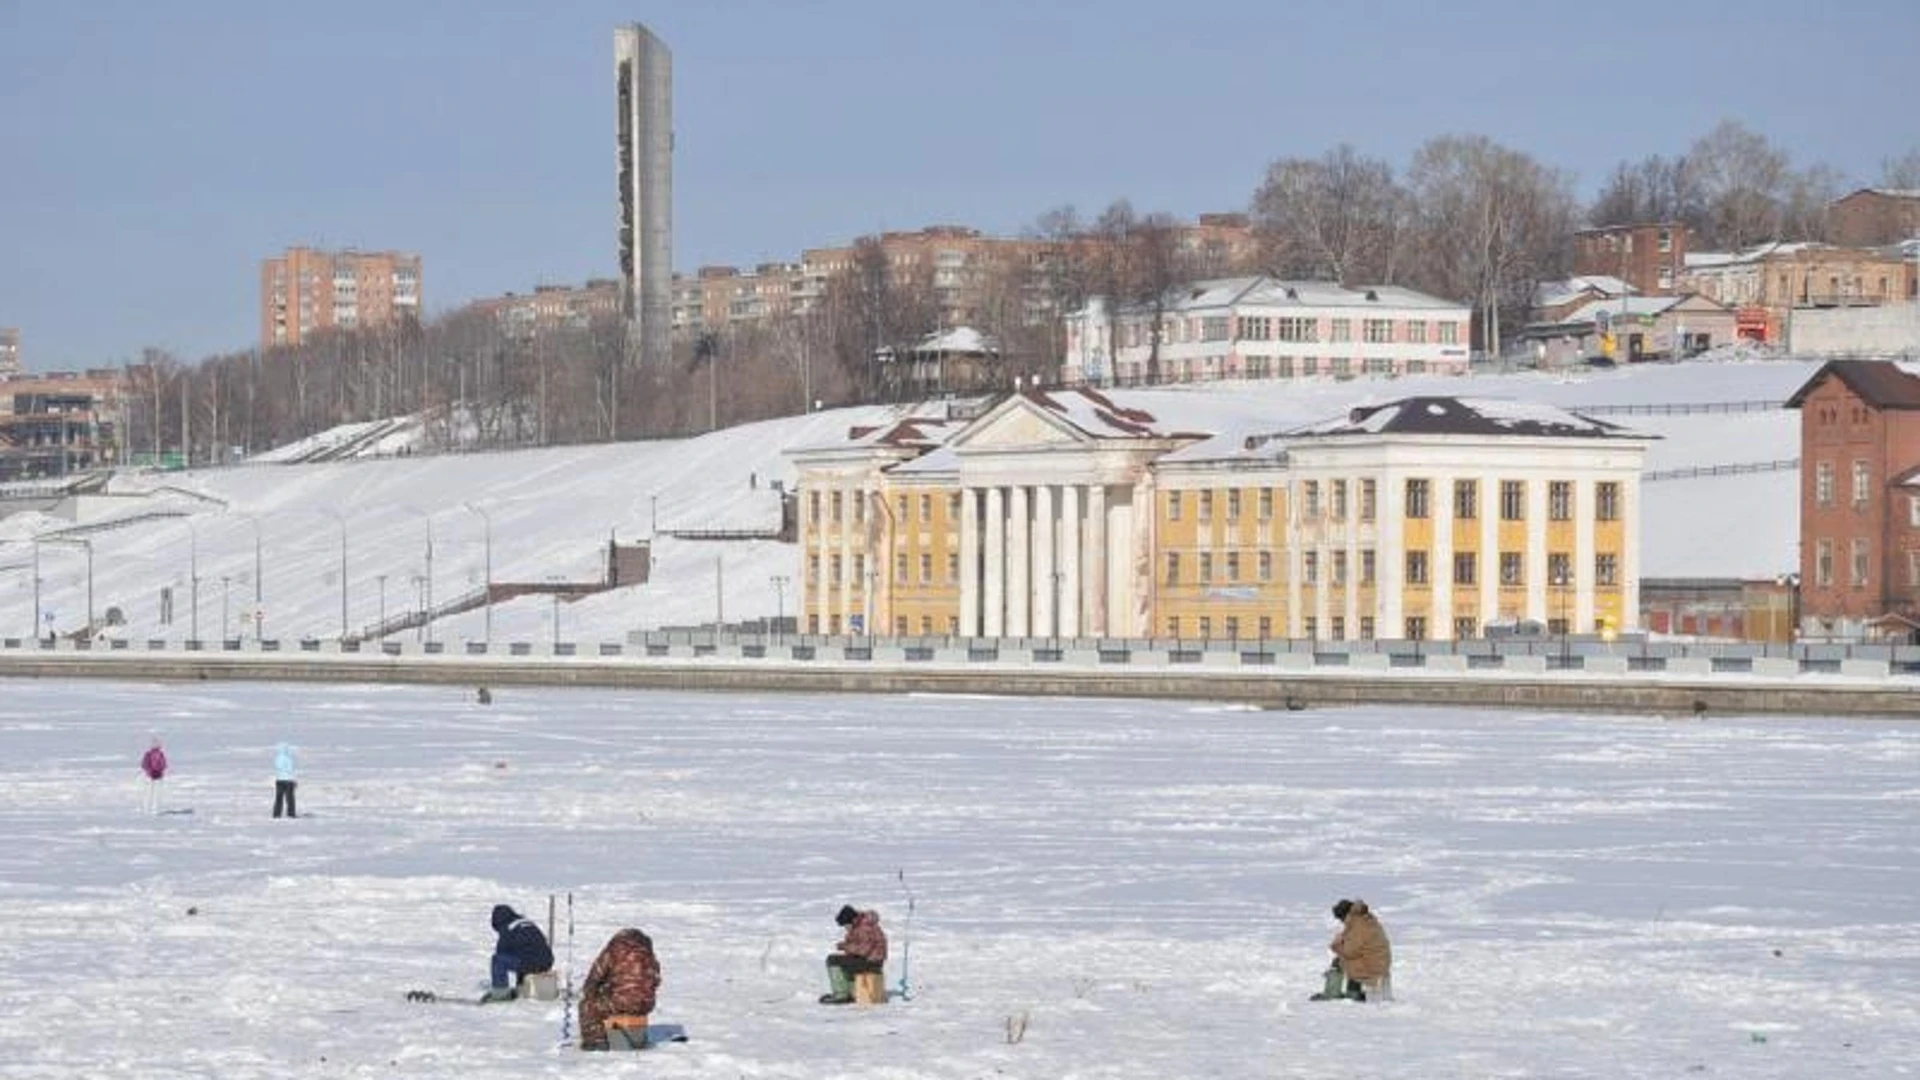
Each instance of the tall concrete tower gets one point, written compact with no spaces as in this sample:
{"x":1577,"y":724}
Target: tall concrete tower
{"x":643,"y":73}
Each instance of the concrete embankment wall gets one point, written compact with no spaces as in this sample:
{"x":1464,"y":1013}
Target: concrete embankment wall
{"x":1672,"y":695}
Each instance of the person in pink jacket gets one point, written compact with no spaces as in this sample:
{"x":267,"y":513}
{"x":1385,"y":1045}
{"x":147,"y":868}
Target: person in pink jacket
{"x":154,"y":764}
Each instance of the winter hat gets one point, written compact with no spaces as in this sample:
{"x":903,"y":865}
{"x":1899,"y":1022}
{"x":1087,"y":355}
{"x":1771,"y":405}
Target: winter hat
{"x":503,"y":916}
{"x":1341,"y":909}
{"x":846,"y":916}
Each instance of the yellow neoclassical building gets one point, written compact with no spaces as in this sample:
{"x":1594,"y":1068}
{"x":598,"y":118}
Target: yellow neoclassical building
{"x":1075,"y":514}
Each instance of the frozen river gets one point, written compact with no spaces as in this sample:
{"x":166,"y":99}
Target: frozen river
{"x":1140,"y":887}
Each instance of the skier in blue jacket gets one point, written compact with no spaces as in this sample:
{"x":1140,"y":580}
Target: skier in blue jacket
{"x":522,"y":950}
{"x":283,"y":781}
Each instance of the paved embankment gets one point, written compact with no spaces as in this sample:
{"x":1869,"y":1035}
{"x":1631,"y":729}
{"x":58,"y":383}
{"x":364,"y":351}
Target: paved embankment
{"x":1666,"y":694}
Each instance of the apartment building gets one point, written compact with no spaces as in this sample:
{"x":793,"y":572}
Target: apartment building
{"x":1649,"y":256}
{"x":1071,"y":513}
{"x":305,"y":291}
{"x":1264,"y":328}
{"x":1859,"y":501}
{"x":554,"y":307}
{"x":59,"y":423}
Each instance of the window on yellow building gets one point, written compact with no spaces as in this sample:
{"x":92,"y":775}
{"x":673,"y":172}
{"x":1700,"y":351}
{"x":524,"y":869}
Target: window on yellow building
{"x":1206,"y":627}
{"x":1466,"y":567}
{"x":1266,"y":504}
{"x":1173,"y":506}
{"x":1560,"y":500}
{"x":926,"y":568}
{"x":1233,"y":566}
{"x":813,"y":571}
{"x":1310,"y":500}
{"x":1606,"y":501}
{"x":1310,"y":626}
{"x":833,"y":569}
{"x":838,"y":501}
{"x":1513,"y":500}
{"x":926,"y":509}
{"x":1266,"y":626}
{"x":1417,"y":495}
{"x":1173,"y":627}
{"x":1266,"y":566}
{"x":1367,"y":499}
{"x":1512,"y":569}
{"x":1173,"y":568}
{"x":1233,"y":628}
{"x":1337,"y":628}
{"x":1233,"y":505}
{"x":859,"y":507}
{"x":1606,"y":568}
{"x":1416,"y":568}
{"x":1310,"y":568}
{"x":953,"y":625}
{"x":1339,"y":568}
{"x":1339,"y":500}
{"x":900,"y":510}
{"x":900,"y":567}
{"x":953,"y":509}
{"x":859,"y":569}
{"x":1206,"y":567}
{"x":926,"y":626}
{"x":1367,"y":561}
{"x":1559,"y":569}
{"x":1466,"y":626}
{"x":899,"y":626}
{"x":953,"y":567}
{"x":833,"y":626}
{"x":1206,"y":506}
{"x":1466,"y":499}
{"x":1366,"y":628}
{"x":813,"y":507}
{"x":1416,"y":628}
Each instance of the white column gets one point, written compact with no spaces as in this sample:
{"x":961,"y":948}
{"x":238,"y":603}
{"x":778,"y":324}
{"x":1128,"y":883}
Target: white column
{"x":1489,"y":551}
{"x":1390,"y":555}
{"x":1440,"y":562}
{"x":1580,"y":608}
{"x":1539,"y":600}
{"x":1630,"y":537}
{"x":969,"y":562}
{"x":843,"y":542}
{"x":1094,"y":583}
{"x":1046,"y":586}
{"x":1019,"y":563}
{"x":993,"y":617}
{"x":1072,"y":590}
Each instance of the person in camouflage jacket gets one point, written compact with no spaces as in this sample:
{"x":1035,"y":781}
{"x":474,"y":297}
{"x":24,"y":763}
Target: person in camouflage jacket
{"x":623,"y":981}
{"x":864,"y":948}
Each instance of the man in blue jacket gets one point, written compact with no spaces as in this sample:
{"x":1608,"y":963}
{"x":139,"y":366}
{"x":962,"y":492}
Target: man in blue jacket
{"x":521,"y":951}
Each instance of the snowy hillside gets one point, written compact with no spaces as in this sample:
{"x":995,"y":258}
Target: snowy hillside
{"x":553,"y":511}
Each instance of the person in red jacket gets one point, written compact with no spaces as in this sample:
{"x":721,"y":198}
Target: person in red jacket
{"x":154,"y":764}
{"x":863,"y":949}
{"x":624,"y":980}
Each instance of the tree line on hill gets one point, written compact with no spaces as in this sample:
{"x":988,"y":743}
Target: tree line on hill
{"x":1467,"y":219}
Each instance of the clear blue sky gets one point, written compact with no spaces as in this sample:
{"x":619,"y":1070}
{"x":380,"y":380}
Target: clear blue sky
{"x":152,"y":153}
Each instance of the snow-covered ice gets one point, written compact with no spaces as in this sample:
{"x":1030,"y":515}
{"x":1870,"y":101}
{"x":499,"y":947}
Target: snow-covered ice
{"x":1145,"y":884}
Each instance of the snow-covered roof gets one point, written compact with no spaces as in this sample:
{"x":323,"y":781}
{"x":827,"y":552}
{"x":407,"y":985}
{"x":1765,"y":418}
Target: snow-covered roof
{"x":1556,"y":293}
{"x":1102,"y":416}
{"x":1647,"y":306}
{"x":1261,"y":290}
{"x":1465,"y":416}
{"x":959,"y":339}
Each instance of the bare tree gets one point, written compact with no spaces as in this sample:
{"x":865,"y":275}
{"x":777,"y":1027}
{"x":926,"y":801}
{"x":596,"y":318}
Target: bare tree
{"x":1655,"y":188}
{"x":1492,"y":222}
{"x":1743,"y":180}
{"x":1901,"y":173}
{"x":1339,"y":217}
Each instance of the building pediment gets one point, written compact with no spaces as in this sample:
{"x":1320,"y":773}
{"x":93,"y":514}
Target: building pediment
{"x":1017,"y":424}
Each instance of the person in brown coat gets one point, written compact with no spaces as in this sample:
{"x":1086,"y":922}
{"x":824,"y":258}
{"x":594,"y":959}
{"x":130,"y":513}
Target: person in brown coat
{"x":1361,"y":952}
{"x":623,"y":981}
{"x":864,"y":948}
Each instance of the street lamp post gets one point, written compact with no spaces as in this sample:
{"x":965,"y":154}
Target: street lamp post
{"x":193,"y":575}
{"x":1563,"y":582}
{"x":486,"y":522}
{"x":382,"y":579}
{"x":428,"y":612}
{"x":779,"y":603}
{"x":341,"y":520}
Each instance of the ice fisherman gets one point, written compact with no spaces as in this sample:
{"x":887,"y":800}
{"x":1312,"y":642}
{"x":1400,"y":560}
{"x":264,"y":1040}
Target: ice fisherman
{"x":624,"y":980}
{"x":521,"y":950}
{"x":1362,"y":956}
{"x":154,"y":764}
{"x":863,"y":949}
{"x":285,"y":778}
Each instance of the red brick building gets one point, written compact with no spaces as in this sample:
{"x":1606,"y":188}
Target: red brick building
{"x":1649,"y":256}
{"x":1859,"y":501}
{"x":1872,"y":217}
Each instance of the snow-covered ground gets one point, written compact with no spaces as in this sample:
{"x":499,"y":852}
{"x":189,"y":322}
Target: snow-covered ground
{"x":1143,"y":885}
{"x":550,"y":512}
